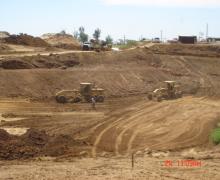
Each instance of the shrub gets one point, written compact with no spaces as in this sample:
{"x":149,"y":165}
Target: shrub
{"x":215,"y":135}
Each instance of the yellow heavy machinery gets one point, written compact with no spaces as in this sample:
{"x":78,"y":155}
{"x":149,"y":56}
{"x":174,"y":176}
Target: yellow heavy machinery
{"x":97,"y":46}
{"x":84,"y":94}
{"x":172,"y":91}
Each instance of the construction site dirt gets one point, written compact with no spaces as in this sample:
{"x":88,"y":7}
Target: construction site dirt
{"x":42,"y":139}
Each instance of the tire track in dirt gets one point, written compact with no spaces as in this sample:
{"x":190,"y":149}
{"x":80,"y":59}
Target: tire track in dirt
{"x":134,"y":122}
{"x":167,"y":124}
{"x":99,"y":138}
{"x":152,"y":119}
{"x":141,"y":128}
{"x":168,"y":110}
{"x":164,"y":139}
{"x":127,"y":125}
{"x":183,"y":65}
{"x":186,"y":133}
{"x":111,"y":125}
{"x":199,"y":73}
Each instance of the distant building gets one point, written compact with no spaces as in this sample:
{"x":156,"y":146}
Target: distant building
{"x":188,"y":39}
{"x":173,"y":41}
{"x":213,"y":39}
{"x":156,"y":40}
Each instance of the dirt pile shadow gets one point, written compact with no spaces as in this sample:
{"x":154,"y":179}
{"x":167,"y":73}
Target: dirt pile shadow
{"x":16,"y":64}
{"x":36,"y":143}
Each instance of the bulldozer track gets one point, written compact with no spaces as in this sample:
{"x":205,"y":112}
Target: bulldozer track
{"x":133,"y":123}
{"x":138,"y":125}
{"x":166,"y":125}
{"x":199,"y":73}
{"x":103,"y":131}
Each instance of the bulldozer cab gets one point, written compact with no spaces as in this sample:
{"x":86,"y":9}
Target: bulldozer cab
{"x":170,"y":85}
{"x":85,"y":89}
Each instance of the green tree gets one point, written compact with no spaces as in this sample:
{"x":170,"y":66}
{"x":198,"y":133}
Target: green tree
{"x":81,"y":29}
{"x":83,"y":37}
{"x":97,"y":34}
{"x":76,"y":34}
{"x":109,"y":40}
{"x":63,"y":32}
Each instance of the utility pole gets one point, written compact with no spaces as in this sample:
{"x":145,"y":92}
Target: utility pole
{"x":161,"y":35}
{"x":207,"y":31}
{"x":124,"y":39}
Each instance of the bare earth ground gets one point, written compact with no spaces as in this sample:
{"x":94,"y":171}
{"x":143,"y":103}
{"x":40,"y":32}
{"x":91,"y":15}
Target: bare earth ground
{"x":108,"y":168}
{"x":21,"y":50}
{"x":115,"y":134}
{"x":168,"y":125}
{"x":125,"y":124}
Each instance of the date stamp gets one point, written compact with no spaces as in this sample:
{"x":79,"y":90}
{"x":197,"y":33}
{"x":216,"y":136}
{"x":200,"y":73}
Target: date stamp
{"x":182,"y":163}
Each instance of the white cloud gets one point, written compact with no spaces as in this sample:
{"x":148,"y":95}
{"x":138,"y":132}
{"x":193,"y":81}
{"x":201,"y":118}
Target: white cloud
{"x":168,"y":3}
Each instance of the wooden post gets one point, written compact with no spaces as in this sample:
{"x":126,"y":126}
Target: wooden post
{"x":132,"y":160}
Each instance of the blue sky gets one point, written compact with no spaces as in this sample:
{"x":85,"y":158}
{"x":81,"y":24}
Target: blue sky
{"x":132,"y":18}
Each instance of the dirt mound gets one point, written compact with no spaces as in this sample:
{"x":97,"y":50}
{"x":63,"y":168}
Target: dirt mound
{"x":4,"y":48}
{"x":34,"y":137}
{"x":185,"y":49}
{"x":38,"y":62}
{"x":60,"y":145}
{"x":26,"y":146}
{"x":4,"y":34}
{"x":64,"y":41}
{"x":4,"y":135}
{"x":125,"y":73}
{"x":35,"y":143}
{"x":24,"y":39}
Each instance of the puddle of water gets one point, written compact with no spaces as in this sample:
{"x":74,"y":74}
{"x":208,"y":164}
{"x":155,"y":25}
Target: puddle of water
{"x":16,"y":131}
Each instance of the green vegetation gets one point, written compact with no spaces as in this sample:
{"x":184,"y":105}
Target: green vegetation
{"x":109,"y":40}
{"x":97,"y":34}
{"x":215,"y":135}
{"x":83,"y":37}
{"x":128,"y":44}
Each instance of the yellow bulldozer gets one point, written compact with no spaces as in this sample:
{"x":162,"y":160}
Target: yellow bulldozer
{"x":84,"y":94}
{"x":172,"y":91}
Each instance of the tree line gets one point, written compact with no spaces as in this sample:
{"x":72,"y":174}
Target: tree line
{"x":82,"y":36}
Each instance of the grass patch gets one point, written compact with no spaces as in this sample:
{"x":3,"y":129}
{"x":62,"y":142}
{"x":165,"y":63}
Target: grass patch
{"x":128,"y":45}
{"x":215,"y":135}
